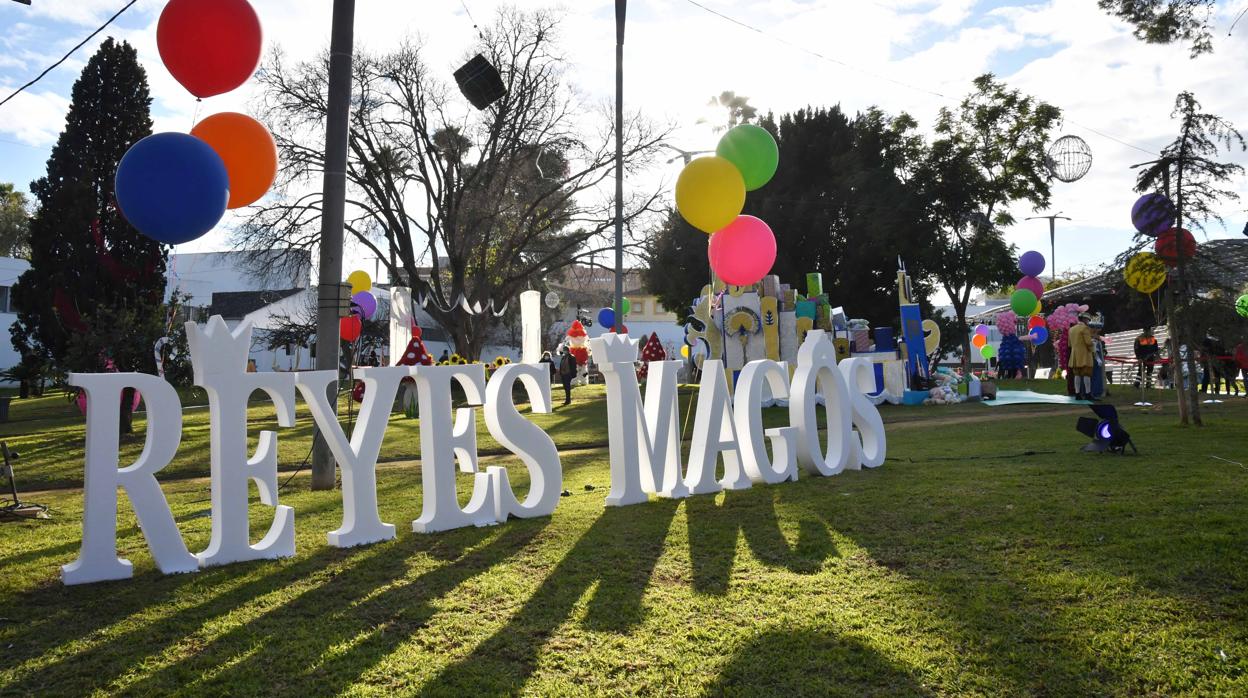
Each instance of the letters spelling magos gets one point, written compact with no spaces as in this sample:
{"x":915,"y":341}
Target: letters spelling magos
{"x":644,"y":443}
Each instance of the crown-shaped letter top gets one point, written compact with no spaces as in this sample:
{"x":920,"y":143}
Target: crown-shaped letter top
{"x":215,"y":350}
{"x":613,"y":348}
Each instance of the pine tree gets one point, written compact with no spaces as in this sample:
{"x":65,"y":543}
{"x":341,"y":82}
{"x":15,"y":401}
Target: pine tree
{"x":92,"y":298}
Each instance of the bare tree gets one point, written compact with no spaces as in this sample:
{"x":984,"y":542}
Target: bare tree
{"x":458,"y":205}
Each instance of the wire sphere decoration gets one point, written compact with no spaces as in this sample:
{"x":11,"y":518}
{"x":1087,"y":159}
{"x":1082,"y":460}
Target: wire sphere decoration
{"x":1069,"y":158}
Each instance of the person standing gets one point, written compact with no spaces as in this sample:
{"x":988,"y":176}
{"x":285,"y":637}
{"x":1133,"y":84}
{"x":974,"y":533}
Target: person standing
{"x":446,"y":356}
{"x":1146,"y":352}
{"x":567,"y":372}
{"x":1081,"y":358}
{"x":1241,"y":362}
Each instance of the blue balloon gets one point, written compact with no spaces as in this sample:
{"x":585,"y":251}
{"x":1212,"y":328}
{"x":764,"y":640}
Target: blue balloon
{"x":172,"y":187}
{"x":1039,"y":335}
{"x":606,"y":318}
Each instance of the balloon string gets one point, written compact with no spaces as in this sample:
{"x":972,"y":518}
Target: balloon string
{"x":195,"y":116}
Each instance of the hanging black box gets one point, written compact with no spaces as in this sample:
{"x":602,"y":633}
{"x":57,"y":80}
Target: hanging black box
{"x":480,"y":82}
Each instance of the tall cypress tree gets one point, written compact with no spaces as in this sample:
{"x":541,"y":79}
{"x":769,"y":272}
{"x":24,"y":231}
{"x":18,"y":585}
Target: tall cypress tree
{"x":92,"y":299}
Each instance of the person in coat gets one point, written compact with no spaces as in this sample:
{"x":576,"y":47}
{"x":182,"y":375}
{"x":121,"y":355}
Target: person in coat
{"x":1081,"y":358}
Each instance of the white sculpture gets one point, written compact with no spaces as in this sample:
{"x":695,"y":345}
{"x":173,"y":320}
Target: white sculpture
{"x":219,"y":357}
{"x":97,"y":560}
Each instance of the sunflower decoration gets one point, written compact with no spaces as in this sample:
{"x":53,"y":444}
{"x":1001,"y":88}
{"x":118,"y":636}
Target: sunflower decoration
{"x":456,"y":360}
{"x":501,"y":361}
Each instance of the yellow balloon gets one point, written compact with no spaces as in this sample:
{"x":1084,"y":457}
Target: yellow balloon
{"x":684,"y":350}
{"x":360,"y":281}
{"x":1145,"y":272}
{"x":710,"y":193}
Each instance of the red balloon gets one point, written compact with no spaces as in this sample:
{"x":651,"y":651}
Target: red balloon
{"x":1175,"y":242}
{"x":1035,"y":321}
{"x":210,"y":46}
{"x":742,"y":252}
{"x":349,"y":327}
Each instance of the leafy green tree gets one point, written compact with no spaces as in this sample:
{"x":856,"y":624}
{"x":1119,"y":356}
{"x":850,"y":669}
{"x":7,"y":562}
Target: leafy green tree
{"x":989,"y":153}
{"x":841,"y":204}
{"x":14,"y":222}
{"x":1167,"y":21}
{"x":1199,"y":184}
{"x":92,"y":296}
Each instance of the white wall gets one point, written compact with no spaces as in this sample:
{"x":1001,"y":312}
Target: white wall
{"x":10,"y":269}
{"x":203,"y":273}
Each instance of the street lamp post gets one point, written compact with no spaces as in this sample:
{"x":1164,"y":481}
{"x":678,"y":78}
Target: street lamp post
{"x":621,"y":10}
{"x":1052,"y":240}
{"x":334,"y":194}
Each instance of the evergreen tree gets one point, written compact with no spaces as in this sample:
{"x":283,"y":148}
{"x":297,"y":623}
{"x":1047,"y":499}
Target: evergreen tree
{"x":1199,"y":184}
{"x":92,"y":297}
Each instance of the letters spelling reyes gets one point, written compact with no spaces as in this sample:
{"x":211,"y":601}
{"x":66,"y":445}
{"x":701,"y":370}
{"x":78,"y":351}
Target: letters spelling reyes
{"x":645,"y":451}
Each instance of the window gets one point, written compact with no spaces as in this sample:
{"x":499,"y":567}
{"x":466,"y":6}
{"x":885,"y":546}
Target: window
{"x":658,"y":308}
{"x":4,"y":300}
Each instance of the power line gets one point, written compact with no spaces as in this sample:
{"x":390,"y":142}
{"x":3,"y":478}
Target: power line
{"x":816,"y":54}
{"x":878,"y":76}
{"x":67,"y":55}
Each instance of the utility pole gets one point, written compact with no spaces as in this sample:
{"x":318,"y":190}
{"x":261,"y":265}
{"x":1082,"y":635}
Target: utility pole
{"x":334,"y":194}
{"x":621,"y":10}
{"x":1052,"y":240}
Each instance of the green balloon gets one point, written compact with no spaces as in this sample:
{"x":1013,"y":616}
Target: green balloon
{"x":754,"y":152}
{"x":1241,"y":305}
{"x":626,"y":305}
{"x":1024,"y":302}
{"x":987,"y":351}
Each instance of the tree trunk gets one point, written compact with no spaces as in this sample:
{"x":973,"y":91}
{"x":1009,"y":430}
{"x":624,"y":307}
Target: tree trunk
{"x":1176,"y":367}
{"x":126,"y":423}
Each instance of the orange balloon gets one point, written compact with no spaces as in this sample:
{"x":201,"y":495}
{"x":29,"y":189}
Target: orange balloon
{"x":979,"y":341}
{"x":248,"y":150}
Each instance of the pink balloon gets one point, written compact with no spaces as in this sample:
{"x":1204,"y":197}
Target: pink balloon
{"x":742,"y":252}
{"x":1031,"y":283}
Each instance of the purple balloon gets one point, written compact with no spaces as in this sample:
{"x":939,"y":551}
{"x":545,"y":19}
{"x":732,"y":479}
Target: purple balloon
{"x":1153,"y":214}
{"x":1032,"y":284}
{"x":367,"y":303}
{"x":1031,"y":264}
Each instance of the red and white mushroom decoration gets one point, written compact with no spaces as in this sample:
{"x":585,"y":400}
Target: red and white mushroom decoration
{"x":652,"y":351}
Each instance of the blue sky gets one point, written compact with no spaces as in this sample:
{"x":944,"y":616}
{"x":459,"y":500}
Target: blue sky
{"x":1063,"y":51}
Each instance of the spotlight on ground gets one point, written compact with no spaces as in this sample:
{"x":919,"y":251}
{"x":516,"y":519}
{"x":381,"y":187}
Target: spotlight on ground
{"x":1106,"y":433}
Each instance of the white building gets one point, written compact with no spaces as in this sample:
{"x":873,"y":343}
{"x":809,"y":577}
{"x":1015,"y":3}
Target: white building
{"x":201,"y":274}
{"x":10,"y":269}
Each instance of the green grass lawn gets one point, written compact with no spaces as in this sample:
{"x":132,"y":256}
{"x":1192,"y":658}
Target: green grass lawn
{"x":961,"y":567}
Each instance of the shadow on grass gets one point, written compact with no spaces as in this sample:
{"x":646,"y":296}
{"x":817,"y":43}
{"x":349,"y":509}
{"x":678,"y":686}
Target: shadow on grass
{"x":810,"y":663}
{"x":714,"y":530}
{"x":342,"y":600}
{"x":615,"y":557}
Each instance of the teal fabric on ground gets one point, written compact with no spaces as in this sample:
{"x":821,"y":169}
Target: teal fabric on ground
{"x":1030,"y":397}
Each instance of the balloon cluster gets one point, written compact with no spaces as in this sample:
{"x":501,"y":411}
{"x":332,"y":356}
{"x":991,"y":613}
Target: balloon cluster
{"x":980,"y":340}
{"x":1025,"y":301}
{"x":1065,"y":317}
{"x":606,"y":316}
{"x":710,"y":194}
{"x":175,"y":187}
{"x":363,"y":305}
